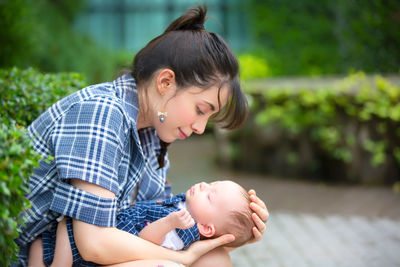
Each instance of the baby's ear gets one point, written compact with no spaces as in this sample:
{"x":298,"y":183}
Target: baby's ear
{"x":207,"y":230}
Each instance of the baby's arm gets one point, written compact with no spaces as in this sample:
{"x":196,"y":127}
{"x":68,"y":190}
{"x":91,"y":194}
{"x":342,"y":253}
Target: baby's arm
{"x":63,"y":252}
{"x":156,"y":231}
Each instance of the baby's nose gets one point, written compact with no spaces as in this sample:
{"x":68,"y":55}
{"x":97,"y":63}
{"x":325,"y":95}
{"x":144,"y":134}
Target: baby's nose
{"x":203,"y":186}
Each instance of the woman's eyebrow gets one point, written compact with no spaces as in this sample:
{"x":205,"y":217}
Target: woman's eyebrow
{"x":212,"y":107}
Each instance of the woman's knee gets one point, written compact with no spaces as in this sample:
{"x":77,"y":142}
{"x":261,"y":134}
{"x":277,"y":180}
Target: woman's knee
{"x":216,"y":257}
{"x":148,"y":263}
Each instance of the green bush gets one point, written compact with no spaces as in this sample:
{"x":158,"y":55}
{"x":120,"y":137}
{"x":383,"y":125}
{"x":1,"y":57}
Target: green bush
{"x":353,"y":123}
{"x":24,"y":95}
{"x":321,"y":112}
{"x":17,"y":161}
{"x":27,"y":93}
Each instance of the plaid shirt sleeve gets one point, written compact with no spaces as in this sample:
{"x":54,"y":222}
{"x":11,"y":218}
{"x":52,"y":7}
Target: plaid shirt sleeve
{"x":89,"y":144}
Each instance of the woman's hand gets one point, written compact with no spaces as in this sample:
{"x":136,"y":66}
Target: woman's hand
{"x":259,"y":216}
{"x":199,"y":248}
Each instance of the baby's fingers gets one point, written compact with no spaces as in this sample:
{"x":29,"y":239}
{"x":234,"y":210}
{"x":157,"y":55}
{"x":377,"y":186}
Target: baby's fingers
{"x":180,"y":213}
{"x":188,"y":220}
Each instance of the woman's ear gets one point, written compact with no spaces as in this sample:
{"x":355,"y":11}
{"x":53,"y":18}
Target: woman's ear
{"x":165,"y":81}
{"x":207,"y":230}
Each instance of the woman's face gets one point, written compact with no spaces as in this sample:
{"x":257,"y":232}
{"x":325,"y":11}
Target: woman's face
{"x":188,"y":111}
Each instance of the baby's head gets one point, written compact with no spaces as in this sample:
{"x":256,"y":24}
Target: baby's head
{"x":221,"y":207}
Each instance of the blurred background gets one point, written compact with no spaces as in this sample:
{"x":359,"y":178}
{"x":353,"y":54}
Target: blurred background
{"x":277,"y":38}
{"x":322,"y":142}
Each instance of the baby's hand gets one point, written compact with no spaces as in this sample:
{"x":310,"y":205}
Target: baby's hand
{"x":181,"y":219}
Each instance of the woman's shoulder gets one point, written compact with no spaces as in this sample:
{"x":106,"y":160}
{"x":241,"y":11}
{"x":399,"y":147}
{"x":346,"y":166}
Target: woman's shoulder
{"x":95,"y":98}
{"x":119,"y":91}
{"x":90,"y":102}
{"x":99,"y":92}
{"x":107,"y":94}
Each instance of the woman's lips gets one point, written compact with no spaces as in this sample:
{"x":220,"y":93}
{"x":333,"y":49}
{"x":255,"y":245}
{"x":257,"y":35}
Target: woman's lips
{"x":182,"y":135}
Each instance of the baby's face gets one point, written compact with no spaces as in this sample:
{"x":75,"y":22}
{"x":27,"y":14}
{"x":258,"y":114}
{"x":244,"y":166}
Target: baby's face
{"x":212,"y":202}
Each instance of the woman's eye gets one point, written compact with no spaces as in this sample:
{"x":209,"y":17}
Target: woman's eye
{"x":199,"y":111}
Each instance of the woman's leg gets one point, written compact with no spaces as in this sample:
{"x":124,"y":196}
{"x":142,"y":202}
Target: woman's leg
{"x":217,"y":257}
{"x":36,"y":254}
{"x":63,"y":252}
{"x":148,"y":263}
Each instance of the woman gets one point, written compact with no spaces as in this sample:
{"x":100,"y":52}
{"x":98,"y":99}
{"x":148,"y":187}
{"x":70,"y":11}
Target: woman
{"x":109,"y":146}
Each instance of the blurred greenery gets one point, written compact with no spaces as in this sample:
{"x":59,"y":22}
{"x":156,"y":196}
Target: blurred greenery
{"x":354,"y":122}
{"x":308,"y":37}
{"x":252,"y":66}
{"x":319,"y":111}
{"x":39,"y":33}
{"x":25,"y":94}
{"x":290,"y":38}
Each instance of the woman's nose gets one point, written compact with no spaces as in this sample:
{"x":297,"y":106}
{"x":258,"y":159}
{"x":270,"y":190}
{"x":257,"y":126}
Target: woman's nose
{"x":199,"y":126}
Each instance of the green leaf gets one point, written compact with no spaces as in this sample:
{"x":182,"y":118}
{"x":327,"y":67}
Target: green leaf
{"x":4,"y":189}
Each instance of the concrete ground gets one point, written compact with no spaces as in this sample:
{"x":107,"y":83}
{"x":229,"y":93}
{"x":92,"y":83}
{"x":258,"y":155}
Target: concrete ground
{"x":310,"y":224}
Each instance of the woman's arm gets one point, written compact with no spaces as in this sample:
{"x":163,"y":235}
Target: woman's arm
{"x":109,"y":245}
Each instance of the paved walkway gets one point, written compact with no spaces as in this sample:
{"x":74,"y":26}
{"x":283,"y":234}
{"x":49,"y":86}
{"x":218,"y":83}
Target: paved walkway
{"x":309,"y":240}
{"x":310,"y":224}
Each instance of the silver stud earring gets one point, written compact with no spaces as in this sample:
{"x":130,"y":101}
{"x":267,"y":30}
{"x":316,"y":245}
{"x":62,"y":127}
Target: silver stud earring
{"x":162,"y":115}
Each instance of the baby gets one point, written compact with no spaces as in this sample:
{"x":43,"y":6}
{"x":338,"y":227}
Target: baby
{"x":206,"y":210}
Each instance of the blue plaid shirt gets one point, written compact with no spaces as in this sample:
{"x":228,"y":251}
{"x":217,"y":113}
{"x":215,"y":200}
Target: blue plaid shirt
{"x":92,"y":136}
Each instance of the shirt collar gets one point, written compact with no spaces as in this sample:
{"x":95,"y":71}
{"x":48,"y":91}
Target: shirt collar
{"x":126,"y":90}
{"x":175,"y":199}
{"x":125,"y":87}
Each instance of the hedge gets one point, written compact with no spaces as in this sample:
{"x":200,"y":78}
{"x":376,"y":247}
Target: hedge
{"x":18,"y":159}
{"x":27,"y":93}
{"x":24,"y":95}
{"x":343,"y":129}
